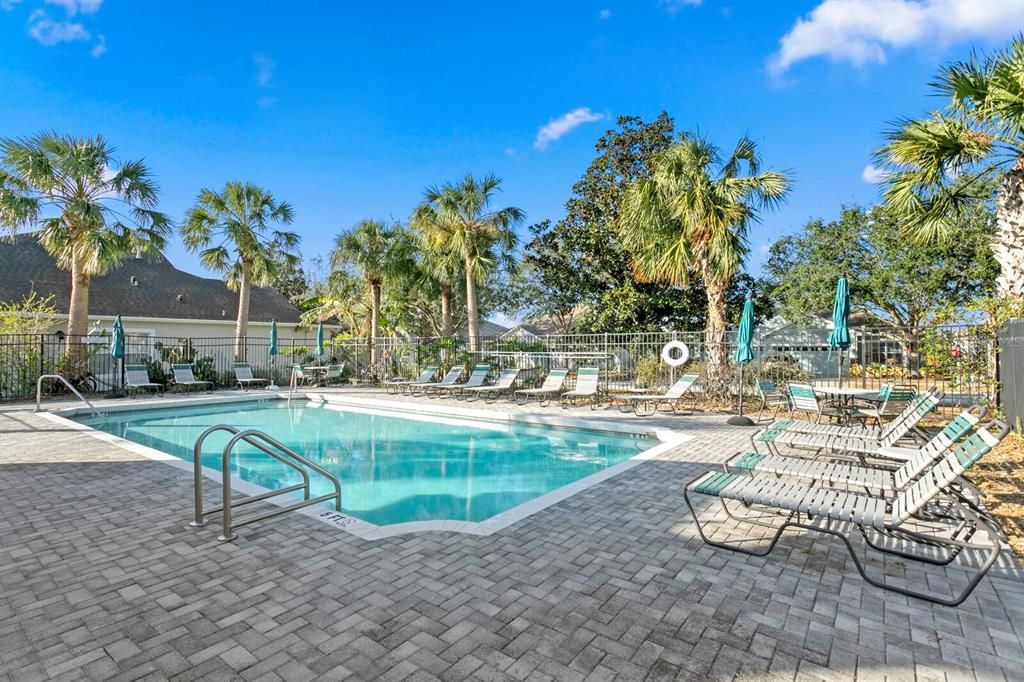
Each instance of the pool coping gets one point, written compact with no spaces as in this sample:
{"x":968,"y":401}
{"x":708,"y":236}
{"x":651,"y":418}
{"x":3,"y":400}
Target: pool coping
{"x":667,"y":440}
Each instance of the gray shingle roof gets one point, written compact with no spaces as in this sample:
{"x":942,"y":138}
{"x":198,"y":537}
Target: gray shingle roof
{"x":25,"y":267}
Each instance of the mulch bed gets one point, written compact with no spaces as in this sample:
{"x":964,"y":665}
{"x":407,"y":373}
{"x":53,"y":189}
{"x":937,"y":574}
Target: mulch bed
{"x":1000,"y":477}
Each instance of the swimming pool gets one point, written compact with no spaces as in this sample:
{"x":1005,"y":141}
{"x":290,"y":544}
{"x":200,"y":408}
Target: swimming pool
{"x":393,"y":469}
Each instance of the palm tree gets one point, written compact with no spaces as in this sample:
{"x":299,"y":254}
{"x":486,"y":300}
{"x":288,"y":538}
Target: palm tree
{"x":458,"y":218}
{"x":91,"y":212}
{"x":691,"y":217}
{"x":438,"y":260}
{"x":377,"y":252}
{"x":942,"y":164}
{"x":232,"y":231}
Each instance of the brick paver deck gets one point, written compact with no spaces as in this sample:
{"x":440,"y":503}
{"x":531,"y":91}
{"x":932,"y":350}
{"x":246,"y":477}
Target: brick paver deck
{"x":100,"y":578}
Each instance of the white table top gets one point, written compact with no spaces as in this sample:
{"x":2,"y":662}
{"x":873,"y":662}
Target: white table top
{"x":835,"y":390}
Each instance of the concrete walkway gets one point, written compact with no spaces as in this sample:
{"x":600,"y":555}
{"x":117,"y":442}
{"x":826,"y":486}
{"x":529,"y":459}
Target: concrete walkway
{"x":101,"y":578}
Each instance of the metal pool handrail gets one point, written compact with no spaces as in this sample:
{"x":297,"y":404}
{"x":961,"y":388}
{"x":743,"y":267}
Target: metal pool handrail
{"x":270,"y":446}
{"x":61,"y":379}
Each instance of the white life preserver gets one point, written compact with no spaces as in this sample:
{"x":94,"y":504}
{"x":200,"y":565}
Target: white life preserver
{"x":666,"y":353}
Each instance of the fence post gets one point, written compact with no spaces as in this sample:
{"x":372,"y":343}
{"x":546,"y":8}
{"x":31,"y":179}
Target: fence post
{"x":863,"y":365}
{"x":42,"y":347}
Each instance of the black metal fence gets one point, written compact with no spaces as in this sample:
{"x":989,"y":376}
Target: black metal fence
{"x":964,"y":361}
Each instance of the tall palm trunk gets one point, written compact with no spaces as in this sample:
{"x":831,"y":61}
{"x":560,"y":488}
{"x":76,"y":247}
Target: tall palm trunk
{"x":374,"y":320}
{"x":446,"y":309}
{"x":1008,"y":245}
{"x":242,"y":324}
{"x":716,"y":380}
{"x":472,"y":311}
{"x":78,"y":319}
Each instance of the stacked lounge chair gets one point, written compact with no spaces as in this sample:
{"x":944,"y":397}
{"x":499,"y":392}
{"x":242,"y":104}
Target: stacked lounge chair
{"x":476,"y":378}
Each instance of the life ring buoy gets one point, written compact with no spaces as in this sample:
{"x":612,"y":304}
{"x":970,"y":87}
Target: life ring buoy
{"x":666,"y":353}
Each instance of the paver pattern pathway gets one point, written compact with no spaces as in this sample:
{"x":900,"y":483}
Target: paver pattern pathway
{"x":100,"y":578}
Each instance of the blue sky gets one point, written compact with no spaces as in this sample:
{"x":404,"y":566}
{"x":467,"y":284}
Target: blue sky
{"x":348,"y":110}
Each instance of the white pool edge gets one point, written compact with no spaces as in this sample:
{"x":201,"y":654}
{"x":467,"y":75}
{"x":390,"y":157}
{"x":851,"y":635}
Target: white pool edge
{"x":667,"y":439}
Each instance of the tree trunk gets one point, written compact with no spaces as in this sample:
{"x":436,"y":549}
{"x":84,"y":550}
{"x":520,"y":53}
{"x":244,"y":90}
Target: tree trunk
{"x":78,"y":321}
{"x":374,"y":320}
{"x":1008,"y":245}
{"x":472,"y":312}
{"x":446,"y":309}
{"x":716,"y":375}
{"x":242,"y":325}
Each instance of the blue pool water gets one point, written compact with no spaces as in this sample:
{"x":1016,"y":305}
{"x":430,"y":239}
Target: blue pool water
{"x":392,"y":469}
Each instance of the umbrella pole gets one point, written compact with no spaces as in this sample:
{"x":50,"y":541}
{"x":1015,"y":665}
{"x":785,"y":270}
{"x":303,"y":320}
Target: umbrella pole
{"x":739,"y":419}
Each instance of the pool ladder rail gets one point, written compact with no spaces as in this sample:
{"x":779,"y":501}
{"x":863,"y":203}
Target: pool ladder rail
{"x":272,"y":447}
{"x":60,"y":378}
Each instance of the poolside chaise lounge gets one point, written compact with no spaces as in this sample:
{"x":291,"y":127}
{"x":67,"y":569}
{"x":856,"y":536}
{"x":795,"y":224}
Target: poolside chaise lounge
{"x":395,"y":385}
{"x":184,"y":378}
{"x":876,"y":479}
{"x":894,"y":401}
{"x":586,"y":387}
{"x":137,"y":378}
{"x":333,"y":374}
{"x":771,"y":397}
{"x":503,"y":384}
{"x":476,"y":378}
{"x":447,"y":380}
{"x":244,"y":377}
{"x":951,"y":527}
{"x":849,"y":439}
{"x":552,"y":386}
{"x":646,"y":405}
{"x":862,"y":430}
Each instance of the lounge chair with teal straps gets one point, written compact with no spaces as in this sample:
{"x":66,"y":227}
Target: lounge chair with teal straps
{"x":184,"y":378}
{"x":952,"y":527}
{"x":397,"y":385}
{"x":551,"y":387}
{"x":644,"y":405}
{"x":447,"y":380}
{"x":876,"y":479}
{"x":456,"y":390}
{"x":587,"y":379}
{"x":502,"y":385}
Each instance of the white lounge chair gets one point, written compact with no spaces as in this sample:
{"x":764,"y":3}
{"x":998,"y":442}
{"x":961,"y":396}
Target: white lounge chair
{"x":951,"y":527}
{"x":333,"y":374}
{"x":476,"y":378}
{"x":802,"y":398}
{"x":137,"y":378}
{"x":503,"y":384}
{"x":586,"y":387}
{"x":913,"y":461}
{"x":449,"y":378}
{"x":396,"y":385}
{"x":244,"y":377}
{"x":184,"y":378}
{"x":645,"y":404}
{"x":552,"y":386}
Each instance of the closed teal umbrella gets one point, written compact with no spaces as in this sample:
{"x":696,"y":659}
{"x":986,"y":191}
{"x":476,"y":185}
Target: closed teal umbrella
{"x":117,"y":344}
{"x":273,"y":338}
{"x":840,"y":336}
{"x":744,"y":354}
{"x":320,"y":340}
{"x":117,"y":339}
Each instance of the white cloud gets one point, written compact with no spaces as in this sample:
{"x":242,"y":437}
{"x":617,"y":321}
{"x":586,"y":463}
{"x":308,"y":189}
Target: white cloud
{"x":862,"y":31}
{"x":265,"y":69}
{"x":73,"y":7}
{"x":673,"y":6}
{"x":511,"y":152}
{"x":8,"y":5}
{"x":563,"y":125}
{"x":604,"y":14}
{"x":46,"y":31}
{"x":100,"y":48}
{"x":874,"y":175}
{"x":266,"y":102}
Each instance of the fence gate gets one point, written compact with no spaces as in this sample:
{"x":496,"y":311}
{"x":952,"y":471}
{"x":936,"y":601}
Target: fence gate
{"x":1011,"y":372}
